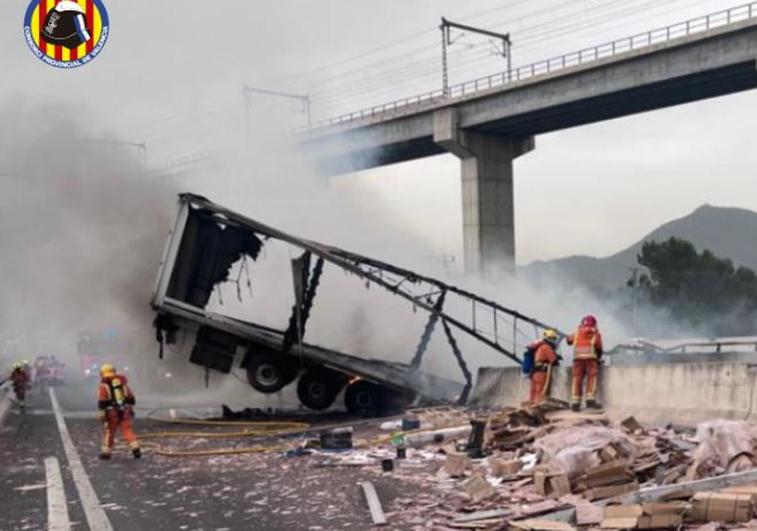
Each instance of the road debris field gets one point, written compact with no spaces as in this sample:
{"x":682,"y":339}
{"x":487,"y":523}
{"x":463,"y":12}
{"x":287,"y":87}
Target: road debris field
{"x":445,"y":467}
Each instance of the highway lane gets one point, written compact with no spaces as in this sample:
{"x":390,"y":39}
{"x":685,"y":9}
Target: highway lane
{"x":253,"y":491}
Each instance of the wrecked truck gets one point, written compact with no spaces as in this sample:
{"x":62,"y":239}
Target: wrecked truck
{"x":205,"y":244}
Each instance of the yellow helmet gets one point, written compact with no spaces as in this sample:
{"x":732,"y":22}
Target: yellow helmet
{"x":550,"y":335}
{"x":107,"y":370}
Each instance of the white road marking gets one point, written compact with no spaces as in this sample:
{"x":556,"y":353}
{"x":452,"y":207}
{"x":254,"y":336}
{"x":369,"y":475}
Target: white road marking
{"x":57,"y":508}
{"x":96,"y":517}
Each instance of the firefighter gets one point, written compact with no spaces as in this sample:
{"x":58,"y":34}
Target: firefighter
{"x":115,"y":404}
{"x":587,"y":351}
{"x":20,"y":380}
{"x":545,"y":358}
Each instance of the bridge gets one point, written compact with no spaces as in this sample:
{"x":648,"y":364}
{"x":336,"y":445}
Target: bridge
{"x":490,"y":121}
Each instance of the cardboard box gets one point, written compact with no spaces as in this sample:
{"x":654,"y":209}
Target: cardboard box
{"x":550,"y":483}
{"x":721,"y":507}
{"x":744,"y":489}
{"x":456,"y":464}
{"x":504,"y":467}
{"x":655,"y":508}
{"x":559,"y":485}
{"x":623,"y":511}
{"x":659,"y":521}
{"x":477,"y":488}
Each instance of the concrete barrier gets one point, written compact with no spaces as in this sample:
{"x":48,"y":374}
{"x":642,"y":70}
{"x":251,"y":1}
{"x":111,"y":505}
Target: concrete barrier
{"x":677,"y":392}
{"x":5,"y":401}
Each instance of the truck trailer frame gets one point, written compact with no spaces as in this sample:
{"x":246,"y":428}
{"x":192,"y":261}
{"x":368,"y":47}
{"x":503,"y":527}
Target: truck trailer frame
{"x":207,"y":239}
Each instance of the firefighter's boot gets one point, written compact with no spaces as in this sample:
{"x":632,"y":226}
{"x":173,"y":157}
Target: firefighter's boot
{"x":575,"y":406}
{"x":137,"y":453}
{"x":104,"y":456}
{"x":593,"y":404}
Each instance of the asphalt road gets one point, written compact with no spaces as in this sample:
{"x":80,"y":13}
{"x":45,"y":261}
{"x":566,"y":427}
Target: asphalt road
{"x":266,"y":491}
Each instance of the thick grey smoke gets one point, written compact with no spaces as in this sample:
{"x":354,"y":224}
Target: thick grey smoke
{"x":82,"y":230}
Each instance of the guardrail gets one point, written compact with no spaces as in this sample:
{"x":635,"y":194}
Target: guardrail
{"x":587,"y":55}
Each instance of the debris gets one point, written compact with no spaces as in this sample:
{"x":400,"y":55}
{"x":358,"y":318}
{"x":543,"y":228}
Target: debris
{"x":477,"y":488}
{"x":336,"y":439}
{"x":541,"y":525}
{"x":374,"y":504}
{"x":721,"y":507}
{"x":410,"y":424}
{"x":631,"y":425}
{"x":688,"y":489}
{"x":415,"y":440}
{"x":660,"y":521}
{"x":504,"y":467}
{"x":483,"y":515}
{"x":610,"y":491}
{"x":588,"y":514}
{"x":456,"y":464}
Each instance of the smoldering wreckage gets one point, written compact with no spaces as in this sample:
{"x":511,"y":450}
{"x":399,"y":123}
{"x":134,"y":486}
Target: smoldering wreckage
{"x":524,"y":466}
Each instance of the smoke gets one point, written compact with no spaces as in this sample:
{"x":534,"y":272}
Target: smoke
{"x":82,"y":231}
{"x":84,"y":228}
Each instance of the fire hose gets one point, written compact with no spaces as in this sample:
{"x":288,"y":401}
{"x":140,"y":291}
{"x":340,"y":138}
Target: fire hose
{"x":255,"y":429}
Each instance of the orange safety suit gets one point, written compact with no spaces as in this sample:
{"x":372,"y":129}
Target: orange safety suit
{"x":544,"y":358}
{"x":115,"y":403}
{"x":587,"y":349}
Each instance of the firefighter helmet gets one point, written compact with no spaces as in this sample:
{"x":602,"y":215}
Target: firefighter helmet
{"x":589,"y":320}
{"x":107,"y":370}
{"x":66,"y":25}
{"x":550,"y":335}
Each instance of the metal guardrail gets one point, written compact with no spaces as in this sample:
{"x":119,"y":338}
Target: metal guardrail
{"x":587,"y":55}
{"x":714,"y":347}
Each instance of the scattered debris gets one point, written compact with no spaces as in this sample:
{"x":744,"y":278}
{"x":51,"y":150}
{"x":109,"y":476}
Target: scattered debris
{"x":374,"y":504}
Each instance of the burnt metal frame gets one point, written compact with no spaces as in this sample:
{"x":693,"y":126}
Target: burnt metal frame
{"x":392,"y":278}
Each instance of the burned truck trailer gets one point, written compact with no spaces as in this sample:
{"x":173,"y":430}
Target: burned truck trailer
{"x":208,"y":239}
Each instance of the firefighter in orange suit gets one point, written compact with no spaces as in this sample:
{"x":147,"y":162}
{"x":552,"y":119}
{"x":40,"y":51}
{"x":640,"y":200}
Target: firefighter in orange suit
{"x":545,"y":358}
{"x":587,"y":351}
{"x":115,"y":404}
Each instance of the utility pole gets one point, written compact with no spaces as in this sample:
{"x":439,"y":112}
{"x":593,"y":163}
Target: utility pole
{"x":445,"y":28}
{"x":248,"y":91}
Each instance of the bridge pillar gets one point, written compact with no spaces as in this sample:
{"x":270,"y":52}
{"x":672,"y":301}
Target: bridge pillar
{"x":486,"y":164}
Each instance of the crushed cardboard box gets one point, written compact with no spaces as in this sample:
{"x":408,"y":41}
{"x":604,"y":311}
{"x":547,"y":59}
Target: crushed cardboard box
{"x":721,"y":507}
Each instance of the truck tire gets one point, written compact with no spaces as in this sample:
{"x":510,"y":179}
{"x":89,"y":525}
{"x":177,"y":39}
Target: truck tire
{"x":270,"y":372}
{"x":318,"y":388}
{"x":364,"y":398}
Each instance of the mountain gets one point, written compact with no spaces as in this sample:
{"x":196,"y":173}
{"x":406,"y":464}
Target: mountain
{"x":727,"y":232}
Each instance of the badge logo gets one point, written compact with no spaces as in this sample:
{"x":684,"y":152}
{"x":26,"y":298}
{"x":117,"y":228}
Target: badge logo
{"x":66,"y":33}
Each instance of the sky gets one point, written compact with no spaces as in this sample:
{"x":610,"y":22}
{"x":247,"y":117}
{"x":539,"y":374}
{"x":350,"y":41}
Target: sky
{"x":171,"y":75}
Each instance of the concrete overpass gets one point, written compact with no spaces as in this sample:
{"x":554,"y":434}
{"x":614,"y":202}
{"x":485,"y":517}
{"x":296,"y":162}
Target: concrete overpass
{"x":490,"y":121}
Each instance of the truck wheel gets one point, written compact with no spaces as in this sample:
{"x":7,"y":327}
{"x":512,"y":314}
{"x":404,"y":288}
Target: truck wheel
{"x":318,"y":388}
{"x":270,"y":372}
{"x":364,"y":398}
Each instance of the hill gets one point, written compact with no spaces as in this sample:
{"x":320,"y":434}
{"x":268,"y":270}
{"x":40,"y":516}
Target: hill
{"x":727,"y":232}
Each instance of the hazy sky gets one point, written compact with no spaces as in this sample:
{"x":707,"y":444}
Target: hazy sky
{"x":171,"y":75}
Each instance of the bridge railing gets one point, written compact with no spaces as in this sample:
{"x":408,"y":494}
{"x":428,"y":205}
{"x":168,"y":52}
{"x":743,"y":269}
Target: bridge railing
{"x":587,"y":55}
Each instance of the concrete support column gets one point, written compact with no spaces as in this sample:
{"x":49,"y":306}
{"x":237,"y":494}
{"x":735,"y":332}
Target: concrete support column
{"x":487,"y":187}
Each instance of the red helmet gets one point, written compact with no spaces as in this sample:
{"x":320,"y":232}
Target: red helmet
{"x":589,"y":320}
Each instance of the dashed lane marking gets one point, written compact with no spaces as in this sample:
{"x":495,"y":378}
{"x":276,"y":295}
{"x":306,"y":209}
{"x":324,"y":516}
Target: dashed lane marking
{"x":96,"y":517}
{"x":57,"y":509}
